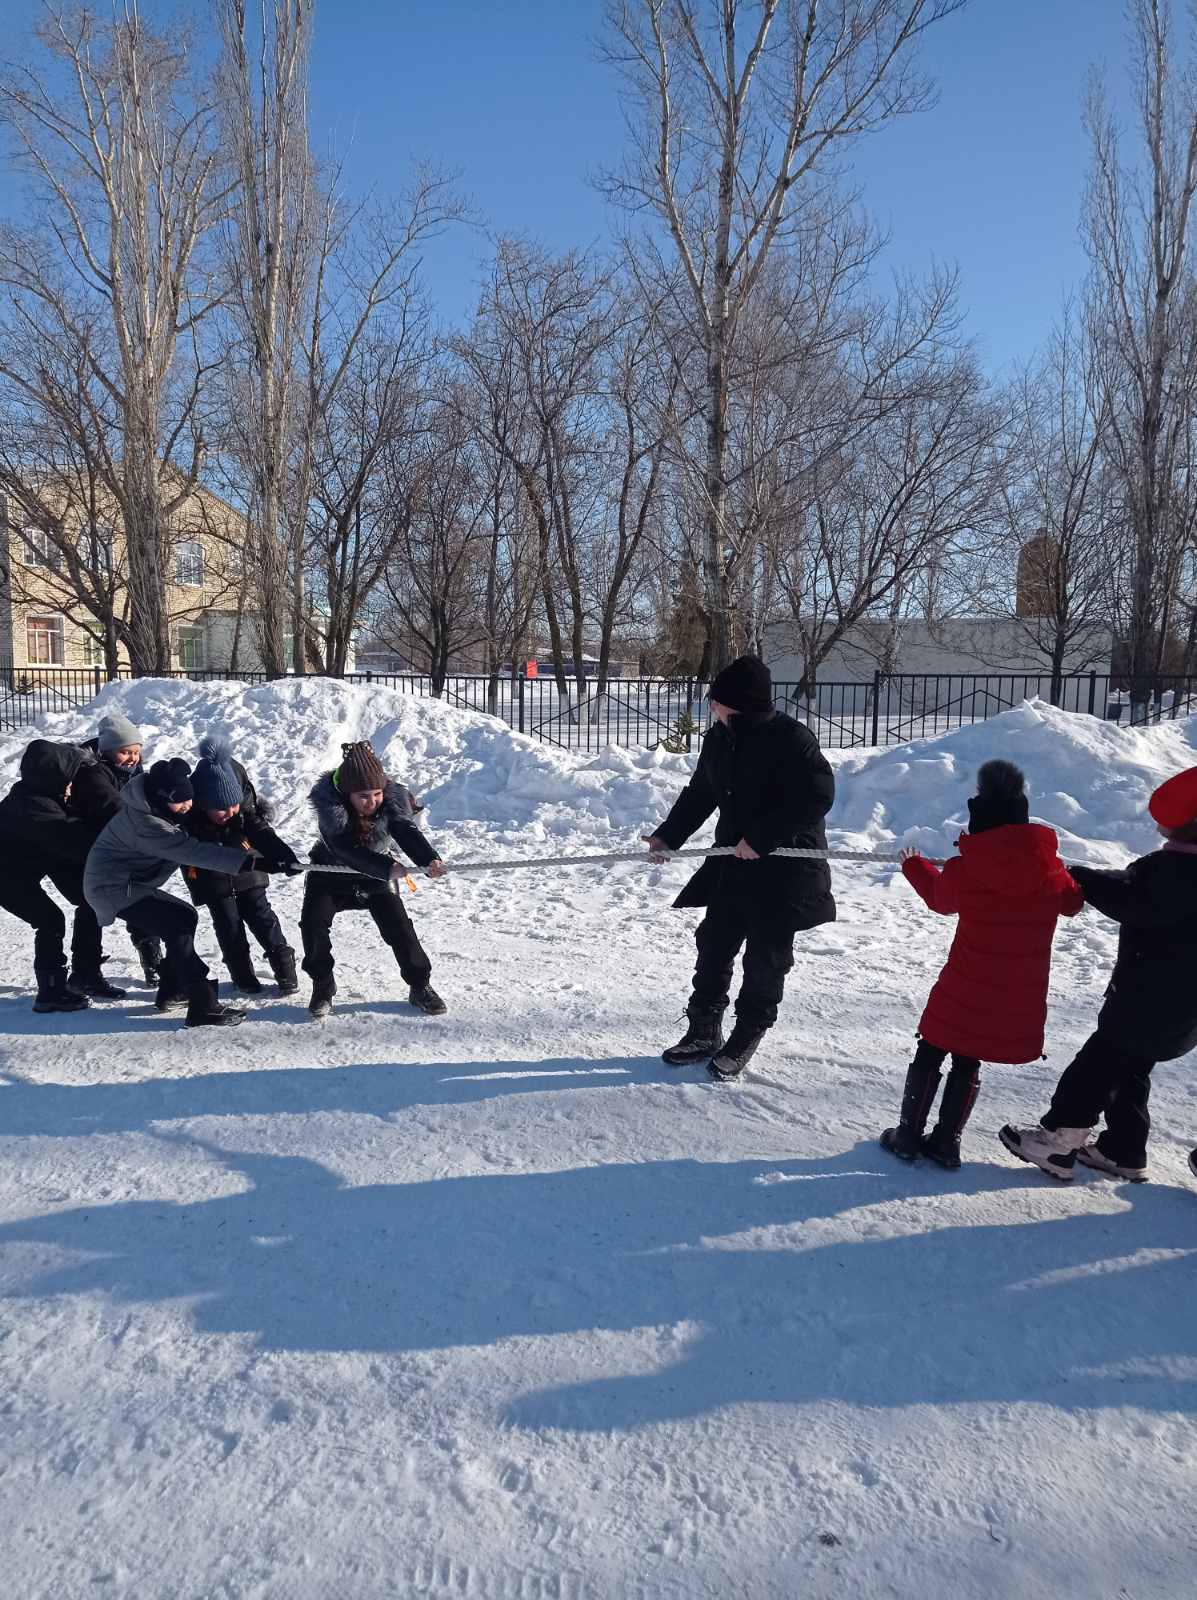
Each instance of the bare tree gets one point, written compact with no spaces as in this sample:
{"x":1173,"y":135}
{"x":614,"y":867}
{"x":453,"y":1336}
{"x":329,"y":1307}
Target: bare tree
{"x":927,"y":475}
{"x":118,"y":140}
{"x":734,"y":113}
{"x":271,"y":250}
{"x":1138,"y":222}
{"x":369,"y":452}
{"x":436,"y":577}
{"x":553,"y":318}
{"x":1049,"y":570}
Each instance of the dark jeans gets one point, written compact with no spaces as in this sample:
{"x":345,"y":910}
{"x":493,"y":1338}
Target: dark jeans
{"x":22,"y":894}
{"x":1101,"y":1079}
{"x":324,"y":900}
{"x":160,"y":916}
{"x":232,"y":914}
{"x":768,"y":956}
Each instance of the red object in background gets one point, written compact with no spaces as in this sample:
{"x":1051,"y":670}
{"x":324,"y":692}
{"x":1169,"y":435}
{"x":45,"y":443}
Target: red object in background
{"x":533,"y":670}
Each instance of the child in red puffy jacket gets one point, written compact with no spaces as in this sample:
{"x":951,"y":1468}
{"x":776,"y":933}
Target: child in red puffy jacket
{"x":1008,"y":886}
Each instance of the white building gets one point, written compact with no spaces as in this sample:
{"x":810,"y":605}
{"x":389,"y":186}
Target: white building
{"x":963,"y":645}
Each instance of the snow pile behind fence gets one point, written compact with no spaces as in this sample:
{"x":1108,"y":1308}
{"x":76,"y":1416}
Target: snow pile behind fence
{"x":491,"y":790}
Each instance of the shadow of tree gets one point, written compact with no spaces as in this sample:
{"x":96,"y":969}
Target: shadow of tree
{"x":381,"y":1089}
{"x":758,"y":1299}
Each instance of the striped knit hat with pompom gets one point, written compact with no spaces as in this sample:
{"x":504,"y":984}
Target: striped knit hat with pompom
{"x":360,"y":769}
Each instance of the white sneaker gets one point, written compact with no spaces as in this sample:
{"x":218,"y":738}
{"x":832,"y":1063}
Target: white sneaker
{"x":1092,"y":1157}
{"x":1053,"y":1153}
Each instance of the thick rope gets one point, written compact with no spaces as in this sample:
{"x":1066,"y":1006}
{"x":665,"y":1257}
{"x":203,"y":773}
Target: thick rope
{"x":642,"y":856}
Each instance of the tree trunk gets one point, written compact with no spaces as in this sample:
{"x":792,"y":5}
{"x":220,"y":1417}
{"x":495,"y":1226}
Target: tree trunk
{"x":716,"y":578}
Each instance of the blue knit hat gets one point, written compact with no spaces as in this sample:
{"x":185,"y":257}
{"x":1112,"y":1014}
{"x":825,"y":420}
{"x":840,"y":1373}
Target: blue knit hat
{"x":216,"y":785}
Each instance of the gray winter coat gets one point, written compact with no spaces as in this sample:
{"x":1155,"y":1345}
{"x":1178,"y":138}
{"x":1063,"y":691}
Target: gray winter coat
{"x":137,"y":852}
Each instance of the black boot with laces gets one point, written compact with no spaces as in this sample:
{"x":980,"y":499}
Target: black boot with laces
{"x":700,"y":1041}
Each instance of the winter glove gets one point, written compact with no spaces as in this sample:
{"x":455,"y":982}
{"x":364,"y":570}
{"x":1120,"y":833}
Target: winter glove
{"x":290,"y":867}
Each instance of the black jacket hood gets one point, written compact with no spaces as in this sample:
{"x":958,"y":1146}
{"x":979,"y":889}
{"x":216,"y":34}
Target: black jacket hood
{"x":47,"y":768}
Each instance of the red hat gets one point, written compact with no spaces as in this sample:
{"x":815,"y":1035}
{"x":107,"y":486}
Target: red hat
{"x":1174,"y":804}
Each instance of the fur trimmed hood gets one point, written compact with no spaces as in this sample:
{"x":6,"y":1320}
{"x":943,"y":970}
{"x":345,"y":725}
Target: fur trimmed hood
{"x":335,"y":817}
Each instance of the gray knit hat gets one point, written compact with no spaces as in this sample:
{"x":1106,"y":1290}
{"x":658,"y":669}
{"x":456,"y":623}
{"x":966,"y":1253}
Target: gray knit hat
{"x":216,"y":785}
{"x":116,"y":732}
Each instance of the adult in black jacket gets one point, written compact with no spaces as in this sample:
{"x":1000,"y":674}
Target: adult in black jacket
{"x":40,"y":839}
{"x":96,"y":797}
{"x":772,"y":787}
{"x":227,"y":811}
{"x":359,"y":813}
{"x":1150,"y":1009}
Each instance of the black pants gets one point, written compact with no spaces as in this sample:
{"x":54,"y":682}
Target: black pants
{"x":161,"y":916}
{"x":22,"y":894}
{"x":1104,"y":1080}
{"x":233,"y":913}
{"x":768,"y":956}
{"x":324,"y":900}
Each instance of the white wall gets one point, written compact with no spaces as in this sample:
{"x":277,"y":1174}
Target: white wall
{"x":964,"y":645}
{"x":219,"y":629}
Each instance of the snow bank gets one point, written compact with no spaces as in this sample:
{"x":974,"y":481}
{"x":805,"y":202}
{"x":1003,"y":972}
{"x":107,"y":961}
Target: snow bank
{"x":490,"y":789}
{"x":481,"y":781}
{"x":1089,"y":780}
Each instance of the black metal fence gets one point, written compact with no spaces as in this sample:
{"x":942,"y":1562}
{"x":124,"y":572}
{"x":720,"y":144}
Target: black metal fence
{"x":647,"y":713}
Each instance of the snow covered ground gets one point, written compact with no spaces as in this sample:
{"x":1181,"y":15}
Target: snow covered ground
{"x":495,"y":1305}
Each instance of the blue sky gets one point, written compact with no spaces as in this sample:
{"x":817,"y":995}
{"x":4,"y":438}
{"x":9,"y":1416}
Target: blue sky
{"x":510,"y":93}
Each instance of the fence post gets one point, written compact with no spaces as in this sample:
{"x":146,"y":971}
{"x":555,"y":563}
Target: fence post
{"x":689,"y":715}
{"x":369,"y":676}
{"x":522,"y":680}
{"x":1092,"y":693}
{"x":876,"y":707}
{"x":96,"y":678}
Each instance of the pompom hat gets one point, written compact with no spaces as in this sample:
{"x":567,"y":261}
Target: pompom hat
{"x":216,"y":785}
{"x":1174,"y":804}
{"x":360,"y":769}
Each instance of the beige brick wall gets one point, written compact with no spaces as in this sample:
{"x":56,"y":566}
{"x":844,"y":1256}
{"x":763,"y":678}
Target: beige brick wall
{"x":30,"y":590}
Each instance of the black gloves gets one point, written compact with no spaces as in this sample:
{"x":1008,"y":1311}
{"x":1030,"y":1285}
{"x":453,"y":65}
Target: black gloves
{"x":291,"y":866}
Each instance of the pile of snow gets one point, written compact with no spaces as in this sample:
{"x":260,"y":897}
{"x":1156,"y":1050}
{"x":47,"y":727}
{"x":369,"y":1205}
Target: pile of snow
{"x":483,"y":783}
{"x":489,"y":789}
{"x":1088,"y":780}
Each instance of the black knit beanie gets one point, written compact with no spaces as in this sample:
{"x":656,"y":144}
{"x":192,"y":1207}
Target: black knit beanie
{"x":744,"y":686}
{"x":1000,"y":799}
{"x":169,"y":783}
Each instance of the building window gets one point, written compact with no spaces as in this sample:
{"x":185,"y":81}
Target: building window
{"x":93,"y":651}
{"x":45,"y":641}
{"x":189,"y":564}
{"x":96,"y":546}
{"x":41,"y":550}
{"x":189,"y":647}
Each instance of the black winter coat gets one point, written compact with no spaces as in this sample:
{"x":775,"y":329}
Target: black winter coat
{"x":340,"y":843}
{"x":96,"y":791}
{"x":1150,"y":1008}
{"x":37,"y":831}
{"x":249,"y":830}
{"x":773,"y":786}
